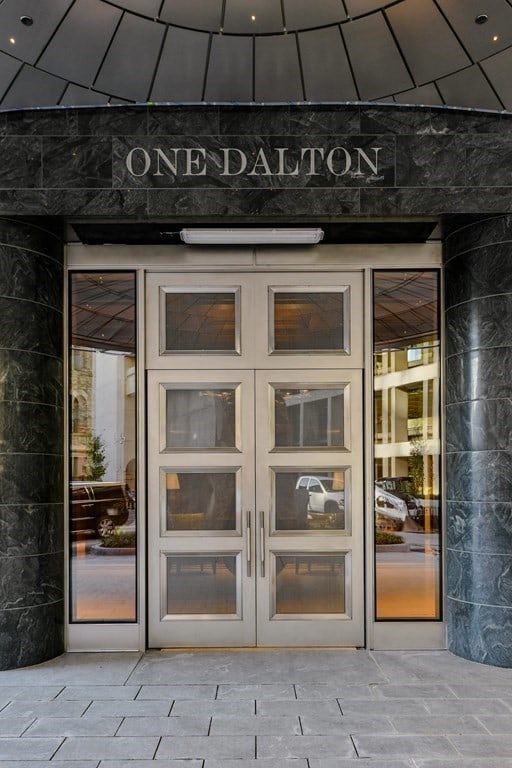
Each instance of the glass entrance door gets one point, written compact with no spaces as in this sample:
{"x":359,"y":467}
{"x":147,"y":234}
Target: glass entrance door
{"x":255,"y":519}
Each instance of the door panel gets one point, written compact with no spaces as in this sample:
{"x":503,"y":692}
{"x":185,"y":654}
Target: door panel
{"x":254,"y":321}
{"x":255,"y":521}
{"x":309,"y":495}
{"x":200,"y":495}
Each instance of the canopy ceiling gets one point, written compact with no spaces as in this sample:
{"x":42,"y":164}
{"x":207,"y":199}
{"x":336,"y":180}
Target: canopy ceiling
{"x":92,"y":52}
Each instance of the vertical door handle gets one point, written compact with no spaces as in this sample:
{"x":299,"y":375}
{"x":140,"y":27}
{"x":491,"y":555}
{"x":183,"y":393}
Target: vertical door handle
{"x":248,"y":542}
{"x":262,"y":543}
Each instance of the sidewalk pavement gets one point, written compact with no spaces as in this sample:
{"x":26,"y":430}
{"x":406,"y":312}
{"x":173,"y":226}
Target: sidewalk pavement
{"x":278,"y":708}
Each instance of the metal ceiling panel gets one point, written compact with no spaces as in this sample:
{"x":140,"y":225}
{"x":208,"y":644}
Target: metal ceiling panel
{"x":180,"y":75}
{"x":243,"y":17}
{"x":29,"y":41}
{"x":230,"y":69}
{"x":80,"y":43}
{"x":333,"y":80}
{"x":130,"y":63}
{"x":426,"y":40}
{"x":499,"y":69}
{"x":76,"y":96}
{"x":478,"y":39}
{"x":469,"y":87}
{"x":378,"y":67}
{"x":425,"y":94}
{"x":277,"y":69}
{"x":206,"y":15}
{"x":8,"y":69}
{"x":303,"y":14}
{"x":33,"y":88}
{"x":148,"y":8}
{"x":357,"y":8}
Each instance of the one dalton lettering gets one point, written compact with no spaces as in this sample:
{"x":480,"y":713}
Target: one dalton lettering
{"x":232,"y":161}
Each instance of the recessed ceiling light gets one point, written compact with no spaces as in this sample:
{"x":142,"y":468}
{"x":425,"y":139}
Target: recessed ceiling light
{"x":253,"y":18}
{"x":12,"y":41}
{"x":482,"y":18}
{"x":27,"y":20}
{"x":495,"y":38}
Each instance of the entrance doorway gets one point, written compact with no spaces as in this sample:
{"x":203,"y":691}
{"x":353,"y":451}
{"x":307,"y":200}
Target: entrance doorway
{"x":255,"y":481}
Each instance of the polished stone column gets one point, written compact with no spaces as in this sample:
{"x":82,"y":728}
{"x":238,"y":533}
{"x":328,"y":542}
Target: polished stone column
{"x":478,"y":286}
{"x":31,"y":442}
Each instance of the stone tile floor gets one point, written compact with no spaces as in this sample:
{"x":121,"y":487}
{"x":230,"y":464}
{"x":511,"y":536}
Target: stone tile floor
{"x":279,"y":708}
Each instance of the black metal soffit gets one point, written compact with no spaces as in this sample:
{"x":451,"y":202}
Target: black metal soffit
{"x":92,"y":52}
{"x":161,"y":233}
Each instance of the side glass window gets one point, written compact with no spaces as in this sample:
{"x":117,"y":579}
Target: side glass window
{"x":406,"y":363}
{"x":102,"y":440}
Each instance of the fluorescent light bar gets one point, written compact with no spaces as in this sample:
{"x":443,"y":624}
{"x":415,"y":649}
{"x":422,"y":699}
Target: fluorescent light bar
{"x":299,"y":235}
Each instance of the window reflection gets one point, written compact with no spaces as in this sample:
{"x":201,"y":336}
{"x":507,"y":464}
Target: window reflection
{"x":201,"y":418}
{"x":309,"y":584}
{"x":407,"y":444}
{"x":102,"y":506}
{"x":313,"y":500}
{"x":309,"y":418}
{"x":200,"y":501}
{"x":308,"y":321}
{"x":201,"y":584}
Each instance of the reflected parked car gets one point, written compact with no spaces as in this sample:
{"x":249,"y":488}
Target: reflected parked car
{"x":389,"y":505}
{"x":97,"y":507}
{"x":402,"y":486}
{"x":321,"y":496}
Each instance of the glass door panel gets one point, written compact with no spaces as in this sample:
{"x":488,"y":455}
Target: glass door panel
{"x":310,"y":501}
{"x":255,"y":523}
{"x":201,"y":588}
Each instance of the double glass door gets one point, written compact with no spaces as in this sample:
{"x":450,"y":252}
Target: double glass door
{"x":255,"y":487}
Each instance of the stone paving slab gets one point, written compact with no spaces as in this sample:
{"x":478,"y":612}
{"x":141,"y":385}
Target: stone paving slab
{"x":214,"y":707}
{"x":255,"y":725}
{"x":171,"y":692}
{"x":436,"y":724}
{"x":103,"y":748}
{"x":35,"y":709}
{"x":305,"y":746}
{"x":74,"y":726}
{"x":483,"y":746}
{"x":14,"y":726}
{"x":165,"y":726}
{"x":121,"y":708}
{"x":470,"y":706}
{"x":316,"y":707}
{"x":91,"y":692}
{"x":345,"y":724}
{"x":28,"y":749}
{"x":218,"y":747}
{"x":382,"y":746}
{"x":266,"y":691}
{"x":75,"y":669}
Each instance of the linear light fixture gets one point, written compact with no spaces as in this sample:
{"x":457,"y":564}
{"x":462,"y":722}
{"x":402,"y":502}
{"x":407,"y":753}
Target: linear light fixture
{"x":255,"y":236}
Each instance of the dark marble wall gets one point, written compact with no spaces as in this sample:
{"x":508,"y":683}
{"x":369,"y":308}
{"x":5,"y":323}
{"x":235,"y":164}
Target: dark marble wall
{"x":478,"y":274}
{"x":72,"y":162}
{"x":31,"y":443}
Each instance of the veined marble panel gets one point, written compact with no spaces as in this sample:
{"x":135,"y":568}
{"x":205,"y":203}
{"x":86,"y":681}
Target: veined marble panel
{"x":285,"y":202}
{"x":31,"y":529}
{"x":493,"y":229}
{"x":396,"y":121}
{"x":478,"y":324}
{"x":479,"y":476}
{"x":21,"y":162}
{"x":478,"y":374}
{"x":37,"y":234}
{"x":31,"y":478}
{"x":85,"y":161}
{"x":485,"y":579}
{"x":480,"y":633}
{"x":427,"y":201}
{"x":31,"y":635}
{"x":31,"y":580}
{"x":183,"y":120}
{"x":31,"y":428}
{"x":32,"y":276}
{"x":485,"y":271}
{"x":31,"y":377}
{"x":479,"y":425}
{"x":430,"y":161}
{"x":28,"y":326}
{"x":62,"y":122}
{"x":479,"y":526}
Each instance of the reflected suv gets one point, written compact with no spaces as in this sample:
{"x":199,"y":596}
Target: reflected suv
{"x":97,"y":506}
{"x":321,"y":496}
